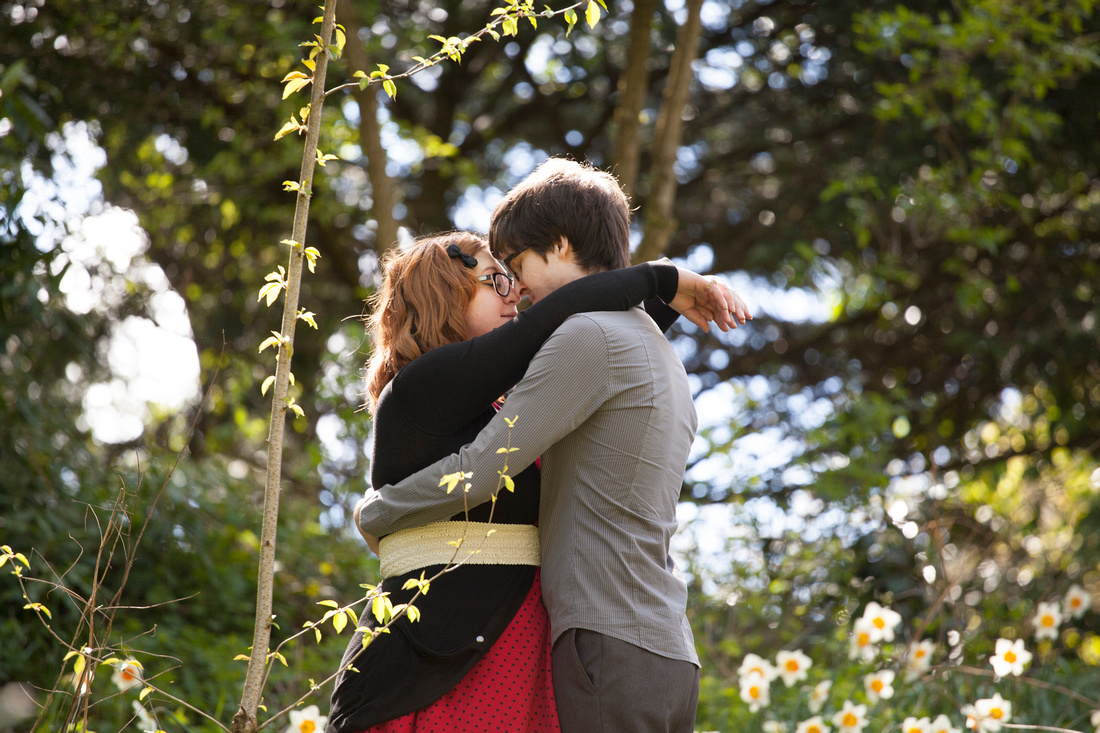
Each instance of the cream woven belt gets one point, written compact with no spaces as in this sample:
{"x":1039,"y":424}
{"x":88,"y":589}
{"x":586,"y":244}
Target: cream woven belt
{"x":496,"y":544}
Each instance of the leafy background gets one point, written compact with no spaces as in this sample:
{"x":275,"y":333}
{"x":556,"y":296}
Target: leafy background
{"x":923,"y":177}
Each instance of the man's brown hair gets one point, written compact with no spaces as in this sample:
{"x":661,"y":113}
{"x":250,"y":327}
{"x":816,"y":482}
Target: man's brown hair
{"x":564,"y":198}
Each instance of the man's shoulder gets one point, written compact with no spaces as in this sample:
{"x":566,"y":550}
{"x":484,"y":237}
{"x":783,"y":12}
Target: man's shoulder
{"x":602,"y":321}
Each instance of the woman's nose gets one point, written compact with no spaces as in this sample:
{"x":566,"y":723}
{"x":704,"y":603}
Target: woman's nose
{"x":516,"y":293}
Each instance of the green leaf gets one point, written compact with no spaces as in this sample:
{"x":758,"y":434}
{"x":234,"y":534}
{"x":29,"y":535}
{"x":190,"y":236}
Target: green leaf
{"x":390,"y":87}
{"x":339,"y":621}
{"x":330,"y":604}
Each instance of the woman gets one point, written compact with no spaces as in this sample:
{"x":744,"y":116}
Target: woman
{"x":447,"y":343}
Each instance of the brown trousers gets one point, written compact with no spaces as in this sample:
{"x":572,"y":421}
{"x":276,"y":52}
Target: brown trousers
{"x":605,"y":685}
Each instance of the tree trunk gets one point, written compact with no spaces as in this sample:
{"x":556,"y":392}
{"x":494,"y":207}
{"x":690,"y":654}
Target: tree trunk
{"x":659,"y":220}
{"x":633,"y":85}
{"x":383,"y":191}
{"x":244,"y":721}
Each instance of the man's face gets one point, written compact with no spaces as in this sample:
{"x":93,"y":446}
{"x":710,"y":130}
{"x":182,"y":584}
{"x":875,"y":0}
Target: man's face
{"x":537,"y":277}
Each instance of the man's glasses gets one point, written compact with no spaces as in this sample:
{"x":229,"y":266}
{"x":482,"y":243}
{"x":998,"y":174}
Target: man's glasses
{"x":502,"y":283}
{"x":508,"y":260}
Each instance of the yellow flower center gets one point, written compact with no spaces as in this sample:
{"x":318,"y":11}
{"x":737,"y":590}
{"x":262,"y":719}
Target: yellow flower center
{"x":1075,"y":602}
{"x":813,"y":729}
{"x":307,"y":726}
{"x":880,"y":623}
{"x":863,"y":639}
{"x":996,"y":713}
{"x":877,"y":685}
{"x":914,"y":729}
{"x":127,"y":675}
{"x":850,"y":720}
{"x":1010,"y":656}
{"x":754,"y":692}
{"x":919,"y":654}
{"x":1048,"y":620}
{"x":792,"y":665}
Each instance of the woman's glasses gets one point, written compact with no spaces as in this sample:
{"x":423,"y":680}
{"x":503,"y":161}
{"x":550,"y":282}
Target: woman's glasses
{"x":502,"y":283}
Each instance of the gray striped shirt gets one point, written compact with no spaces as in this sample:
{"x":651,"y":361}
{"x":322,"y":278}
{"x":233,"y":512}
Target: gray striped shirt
{"x":606,"y":404}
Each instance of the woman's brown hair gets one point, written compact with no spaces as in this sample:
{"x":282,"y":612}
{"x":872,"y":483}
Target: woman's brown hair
{"x":421,"y":304}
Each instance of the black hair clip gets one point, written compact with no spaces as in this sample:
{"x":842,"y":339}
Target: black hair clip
{"x":468,"y":260}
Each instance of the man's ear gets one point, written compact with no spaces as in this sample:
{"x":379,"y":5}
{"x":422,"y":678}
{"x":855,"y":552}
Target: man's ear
{"x":563,"y":249}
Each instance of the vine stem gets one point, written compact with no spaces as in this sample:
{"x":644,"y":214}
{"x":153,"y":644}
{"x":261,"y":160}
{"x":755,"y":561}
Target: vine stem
{"x":438,"y":56}
{"x":245,"y":719}
{"x":1033,"y":682}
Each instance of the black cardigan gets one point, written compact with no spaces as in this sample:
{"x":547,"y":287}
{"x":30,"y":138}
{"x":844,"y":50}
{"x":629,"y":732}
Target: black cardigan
{"x":435,"y":405}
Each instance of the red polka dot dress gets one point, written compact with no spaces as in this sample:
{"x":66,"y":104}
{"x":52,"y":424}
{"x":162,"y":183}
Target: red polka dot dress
{"x":509,"y":690}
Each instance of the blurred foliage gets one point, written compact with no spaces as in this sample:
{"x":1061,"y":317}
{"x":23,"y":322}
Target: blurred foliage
{"x":927,"y":172}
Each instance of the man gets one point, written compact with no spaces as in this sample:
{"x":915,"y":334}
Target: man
{"x":606,"y":405}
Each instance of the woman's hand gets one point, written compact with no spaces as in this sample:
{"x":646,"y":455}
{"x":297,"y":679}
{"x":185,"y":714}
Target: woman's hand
{"x":703,"y":299}
{"x":372,"y":541}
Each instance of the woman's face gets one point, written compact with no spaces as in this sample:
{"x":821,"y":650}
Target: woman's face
{"x":486,"y":309}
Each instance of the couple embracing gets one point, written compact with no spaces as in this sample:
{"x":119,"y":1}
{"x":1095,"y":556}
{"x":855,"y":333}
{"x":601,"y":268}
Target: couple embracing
{"x":571,"y":616}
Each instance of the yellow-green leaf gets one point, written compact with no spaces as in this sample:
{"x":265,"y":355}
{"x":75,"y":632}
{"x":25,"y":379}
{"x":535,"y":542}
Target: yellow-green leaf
{"x":271,"y":341}
{"x":291,"y":186}
{"x":390,"y":87}
{"x":146,"y":690}
{"x":330,"y":604}
{"x":271,"y":292}
{"x":294,"y":85}
{"x":281,"y":658}
{"x":309,"y":316}
{"x":451,"y":480}
{"x":237,"y":658}
{"x":571,"y":20}
{"x":287,"y":128}
{"x":267,"y":384}
{"x":591,"y":14}
{"x":378,"y":608}
{"x":339,"y":621}
{"x":39,"y":607}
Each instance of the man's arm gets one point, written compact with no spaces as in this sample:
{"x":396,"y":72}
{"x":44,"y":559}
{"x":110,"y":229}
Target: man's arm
{"x":567,"y":382}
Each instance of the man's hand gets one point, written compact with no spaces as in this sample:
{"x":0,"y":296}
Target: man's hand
{"x":372,"y":541}
{"x":703,"y":299}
